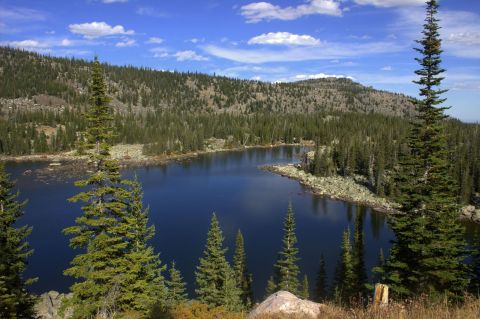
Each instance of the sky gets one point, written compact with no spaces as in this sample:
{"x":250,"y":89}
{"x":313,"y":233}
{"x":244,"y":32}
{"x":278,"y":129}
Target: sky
{"x":370,"y":41}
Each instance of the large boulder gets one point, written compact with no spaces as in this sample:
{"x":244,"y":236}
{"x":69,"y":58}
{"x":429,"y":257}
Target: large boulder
{"x":48,"y":306}
{"x":283,"y":304}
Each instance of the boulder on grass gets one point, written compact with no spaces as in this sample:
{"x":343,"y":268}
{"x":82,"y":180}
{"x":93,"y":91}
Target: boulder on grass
{"x":283,"y":304}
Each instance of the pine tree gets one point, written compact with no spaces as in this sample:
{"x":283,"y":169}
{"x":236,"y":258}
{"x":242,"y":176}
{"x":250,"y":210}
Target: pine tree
{"x":428,"y":251}
{"x":99,"y":233}
{"x":15,"y":301}
{"x":244,"y":279}
{"x":212,"y":271}
{"x":305,"y":288}
{"x":177,"y":294}
{"x":286,"y":266}
{"x":143,"y":284}
{"x":358,"y":255}
{"x":345,"y":272}
{"x":271,"y":286}
{"x":232,"y":294}
{"x":321,"y":282}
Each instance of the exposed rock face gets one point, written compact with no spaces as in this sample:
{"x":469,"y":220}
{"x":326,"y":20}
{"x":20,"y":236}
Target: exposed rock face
{"x":48,"y":306}
{"x":471,"y":213}
{"x":283,"y":304}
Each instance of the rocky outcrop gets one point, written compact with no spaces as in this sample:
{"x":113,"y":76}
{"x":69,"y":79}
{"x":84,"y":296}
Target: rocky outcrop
{"x":48,"y":306}
{"x":283,"y":304}
{"x":471,"y":213}
{"x":335,"y":187}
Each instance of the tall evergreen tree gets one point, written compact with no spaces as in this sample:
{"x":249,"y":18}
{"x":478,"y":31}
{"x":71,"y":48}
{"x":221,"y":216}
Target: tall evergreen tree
{"x":345,"y":273}
{"x":143,"y":284}
{"x":244,"y":279}
{"x":286,"y":266}
{"x":212,"y":271}
{"x":358,"y":256}
{"x":100,"y":232}
{"x":15,"y":300}
{"x":177,"y":294}
{"x":232,"y":294}
{"x":321,"y":281}
{"x":428,"y":250}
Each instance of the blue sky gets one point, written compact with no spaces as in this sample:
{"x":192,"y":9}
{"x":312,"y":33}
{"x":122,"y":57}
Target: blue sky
{"x":278,"y":40}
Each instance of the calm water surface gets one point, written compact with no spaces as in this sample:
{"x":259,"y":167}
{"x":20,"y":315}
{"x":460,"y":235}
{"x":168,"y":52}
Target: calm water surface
{"x":182,"y":197}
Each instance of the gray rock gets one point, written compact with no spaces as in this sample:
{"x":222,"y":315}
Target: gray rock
{"x":48,"y":306}
{"x":286,"y":305}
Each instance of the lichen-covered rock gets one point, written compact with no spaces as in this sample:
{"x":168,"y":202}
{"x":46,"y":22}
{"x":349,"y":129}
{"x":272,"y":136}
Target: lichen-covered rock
{"x":283,"y":304}
{"x":48,"y":306}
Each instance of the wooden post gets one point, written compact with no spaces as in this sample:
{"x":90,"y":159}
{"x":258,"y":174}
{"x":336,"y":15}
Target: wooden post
{"x":381,"y":295}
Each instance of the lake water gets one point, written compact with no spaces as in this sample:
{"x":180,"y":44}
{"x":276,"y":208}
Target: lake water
{"x":182,"y":197}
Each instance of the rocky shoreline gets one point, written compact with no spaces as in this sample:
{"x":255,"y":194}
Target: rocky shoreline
{"x":335,"y":187}
{"x":69,"y":164}
{"x":348,"y":189}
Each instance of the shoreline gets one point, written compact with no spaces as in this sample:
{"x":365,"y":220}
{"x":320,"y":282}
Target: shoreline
{"x":139,"y":160}
{"x":346,"y":189}
{"x":335,"y":187}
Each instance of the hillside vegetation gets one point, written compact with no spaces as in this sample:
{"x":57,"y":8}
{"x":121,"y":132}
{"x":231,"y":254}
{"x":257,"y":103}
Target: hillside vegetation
{"x":54,"y":82}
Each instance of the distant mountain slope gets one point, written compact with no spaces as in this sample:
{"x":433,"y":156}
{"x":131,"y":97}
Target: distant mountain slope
{"x":31,"y":80}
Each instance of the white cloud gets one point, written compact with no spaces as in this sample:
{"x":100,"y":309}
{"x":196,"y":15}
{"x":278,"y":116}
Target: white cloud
{"x":391,"y":3}
{"x":150,"y":12}
{"x":303,"y":77}
{"x":387,"y":68}
{"x":27,"y":44}
{"x":189,"y":55}
{"x":196,"y":40}
{"x":126,"y":43}
{"x":284,"y":38}
{"x":159,"y":52}
{"x":258,"y":11}
{"x":91,"y":30}
{"x":324,"y":51}
{"x":154,"y":40}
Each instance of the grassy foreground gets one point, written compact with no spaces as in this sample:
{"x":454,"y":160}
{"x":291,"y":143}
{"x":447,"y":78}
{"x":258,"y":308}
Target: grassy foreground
{"x":417,"y":309}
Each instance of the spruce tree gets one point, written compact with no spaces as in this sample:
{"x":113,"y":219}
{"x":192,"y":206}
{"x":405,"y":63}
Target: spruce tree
{"x":271,"y":286}
{"x":428,"y":251}
{"x":286,"y":266}
{"x":345,"y":273}
{"x":321,"y":281}
{"x":305,"y":288}
{"x":143,"y":284}
{"x":358,"y":255}
{"x":15,"y":300}
{"x":177,"y":294}
{"x":244,"y":279}
{"x":232,"y":294}
{"x":99,"y":233}
{"x":212,"y":271}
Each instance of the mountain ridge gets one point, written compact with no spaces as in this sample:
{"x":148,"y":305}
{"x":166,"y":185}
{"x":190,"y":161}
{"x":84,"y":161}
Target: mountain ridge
{"x":48,"y":81}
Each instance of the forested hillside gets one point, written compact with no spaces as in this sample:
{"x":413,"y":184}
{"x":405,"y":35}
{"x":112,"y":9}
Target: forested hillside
{"x":42,"y":98}
{"x":51,"y":82}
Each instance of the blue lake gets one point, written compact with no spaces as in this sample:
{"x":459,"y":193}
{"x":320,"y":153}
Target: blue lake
{"x":182,"y":197}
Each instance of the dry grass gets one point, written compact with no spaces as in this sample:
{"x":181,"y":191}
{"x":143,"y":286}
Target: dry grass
{"x":418,"y":309}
